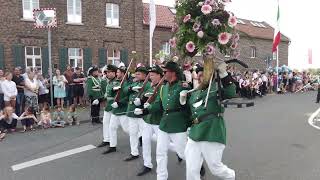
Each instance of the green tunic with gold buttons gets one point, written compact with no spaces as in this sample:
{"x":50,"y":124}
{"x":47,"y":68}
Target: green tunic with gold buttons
{"x":155,"y":117}
{"x":109,"y":94}
{"x":212,"y":127}
{"x":94,"y":88}
{"x":132,"y":96}
{"x":175,"y":118}
{"x":123,"y":101}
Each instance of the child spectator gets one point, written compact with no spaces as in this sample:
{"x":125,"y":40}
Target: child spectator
{"x":45,"y":117}
{"x":28,"y":119}
{"x":58,"y":118}
{"x":72,"y":116}
{"x":8,"y":121}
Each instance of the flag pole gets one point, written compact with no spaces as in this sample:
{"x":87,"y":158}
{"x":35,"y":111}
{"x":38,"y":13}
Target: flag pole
{"x":150,"y":50}
{"x":277,"y":56}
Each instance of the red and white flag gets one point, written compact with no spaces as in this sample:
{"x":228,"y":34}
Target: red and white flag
{"x":277,"y":34}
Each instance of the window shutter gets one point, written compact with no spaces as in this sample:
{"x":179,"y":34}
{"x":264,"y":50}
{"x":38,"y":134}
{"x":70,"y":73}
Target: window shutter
{"x":124,"y":56}
{"x":87,"y":57}
{"x":18,"y":56}
{"x":63,"y":59}
{"x":2,"y":57}
{"x":102,"y":57}
{"x":45,"y":61}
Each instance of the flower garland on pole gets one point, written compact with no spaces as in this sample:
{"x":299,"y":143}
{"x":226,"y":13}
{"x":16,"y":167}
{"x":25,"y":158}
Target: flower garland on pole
{"x":204,"y":26}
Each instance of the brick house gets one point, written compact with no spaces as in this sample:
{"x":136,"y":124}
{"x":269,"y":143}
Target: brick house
{"x":255,"y":39}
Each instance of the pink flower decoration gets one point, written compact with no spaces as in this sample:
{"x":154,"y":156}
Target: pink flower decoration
{"x":210,"y":49}
{"x":187,"y":18}
{"x":196,"y":27}
{"x":209,"y":2}
{"x":216,"y":22}
{"x":173,"y":42}
{"x":224,"y":38}
{"x":190,"y":47}
{"x":232,"y":21}
{"x":236,"y":37}
{"x":200,"y":34}
{"x":206,"y":9}
{"x":234,"y":45}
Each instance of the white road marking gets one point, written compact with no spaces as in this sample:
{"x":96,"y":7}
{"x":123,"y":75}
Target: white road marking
{"x":51,"y":157}
{"x":311,"y":119}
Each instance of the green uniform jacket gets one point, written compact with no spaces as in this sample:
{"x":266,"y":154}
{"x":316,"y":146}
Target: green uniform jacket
{"x":109,"y":94}
{"x":94,"y":88}
{"x":132,"y":95}
{"x":212,"y":128}
{"x":123,"y":102}
{"x":175,"y":118}
{"x":154,"y":118}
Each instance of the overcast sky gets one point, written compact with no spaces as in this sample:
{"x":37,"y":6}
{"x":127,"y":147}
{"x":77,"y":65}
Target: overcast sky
{"x":297,"y":21}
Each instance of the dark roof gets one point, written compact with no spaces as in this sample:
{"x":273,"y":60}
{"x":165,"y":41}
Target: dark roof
{"x":256,"y":29}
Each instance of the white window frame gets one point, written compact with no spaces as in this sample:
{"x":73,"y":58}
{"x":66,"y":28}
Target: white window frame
{"x":112,"y":21}
{"x":74,"y":16}
{"x":112,"y":57}
{"x":166,"y":48}
{"x":76,"y":58}
{"x":253,"y":50}
{"x":27,"y":14}
{"x":33,"y":57}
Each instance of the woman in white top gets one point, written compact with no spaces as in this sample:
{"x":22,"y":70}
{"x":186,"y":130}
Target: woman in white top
{"x":2,"y":78}
{"x":31,"y":92}
{"x":9,"y":90}
{"x":59,"y":91}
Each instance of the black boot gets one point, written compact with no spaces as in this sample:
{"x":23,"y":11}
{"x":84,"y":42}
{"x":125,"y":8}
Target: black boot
{"x":103,"y":144}
{"x":131,"y":157}
{"x":144,"y":171}
{"x":110,"y":150}
{"x":179,"y":159}
{"x":202,"y":171}
{"x":140,"y":141}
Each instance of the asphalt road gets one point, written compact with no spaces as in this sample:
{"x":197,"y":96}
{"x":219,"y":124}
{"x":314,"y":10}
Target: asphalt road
{"x":270,"y":141}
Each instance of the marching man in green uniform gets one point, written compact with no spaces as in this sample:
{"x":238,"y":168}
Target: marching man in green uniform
{"x":95,"y":93}
{"x":151,"y":121}
{"x":207,"y":136}
{"x":118,"y":111}
{"x":175,"y":120}
{"x":110,"y":72}
{"x":135,"y":121}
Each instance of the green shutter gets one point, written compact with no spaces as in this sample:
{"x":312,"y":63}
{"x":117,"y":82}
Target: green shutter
{"x":2,"y":57}
{"x":63,"y":59}
{"x":102,"y":57}
{"x":87,"y":57}
{"x":124,"y":56}
{"x":45,"y":60}
{"x":18,"y":55}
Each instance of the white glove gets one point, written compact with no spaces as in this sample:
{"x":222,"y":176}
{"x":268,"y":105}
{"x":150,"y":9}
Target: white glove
{"x":116,"y":88}
{"x":114,"y":105}
{"x":146,"y":105}
{"x":222,"y":67}
{"x":95,"y":102}
{"x":183,"y":97}
{"x":137,"y":102}
{"x":148,"y":95}
{"x":136,"y":88}
{"x":138,"y":111}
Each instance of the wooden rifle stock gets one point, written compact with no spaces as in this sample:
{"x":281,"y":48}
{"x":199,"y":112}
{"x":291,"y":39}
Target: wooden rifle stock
{"x":117,"y":97}
{"x":155,"y":92}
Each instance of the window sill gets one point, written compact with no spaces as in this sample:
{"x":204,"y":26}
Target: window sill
{"x":252,"y":57}
{"x":27,"y":20}
{"x":74,"y":24}
{"x":113,"y":27}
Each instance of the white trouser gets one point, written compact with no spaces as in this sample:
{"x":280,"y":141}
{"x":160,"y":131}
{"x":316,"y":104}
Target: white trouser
{"x":211,"y":152}
{"x":105,"y":126}
{"x":179,"y":141}
{"x":115,"y":121}
{"x":149,"y":132}
{"x":135,"y":126}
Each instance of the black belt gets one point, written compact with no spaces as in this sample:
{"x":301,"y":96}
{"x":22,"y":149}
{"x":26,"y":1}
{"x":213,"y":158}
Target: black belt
{"x":166,"y":111}
{"x":206,"y":117}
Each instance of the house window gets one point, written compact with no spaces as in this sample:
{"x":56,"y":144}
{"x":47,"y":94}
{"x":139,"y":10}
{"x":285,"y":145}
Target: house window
{"x":166,"y":48}
{"x":113,"y":57}
{"x":112,"y":15}
{"x":74,"y":11}
{"x":253,"y":52}
{"x":33,"y":58}
{"x":28,"y":6}
{"x":75,"y":57}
